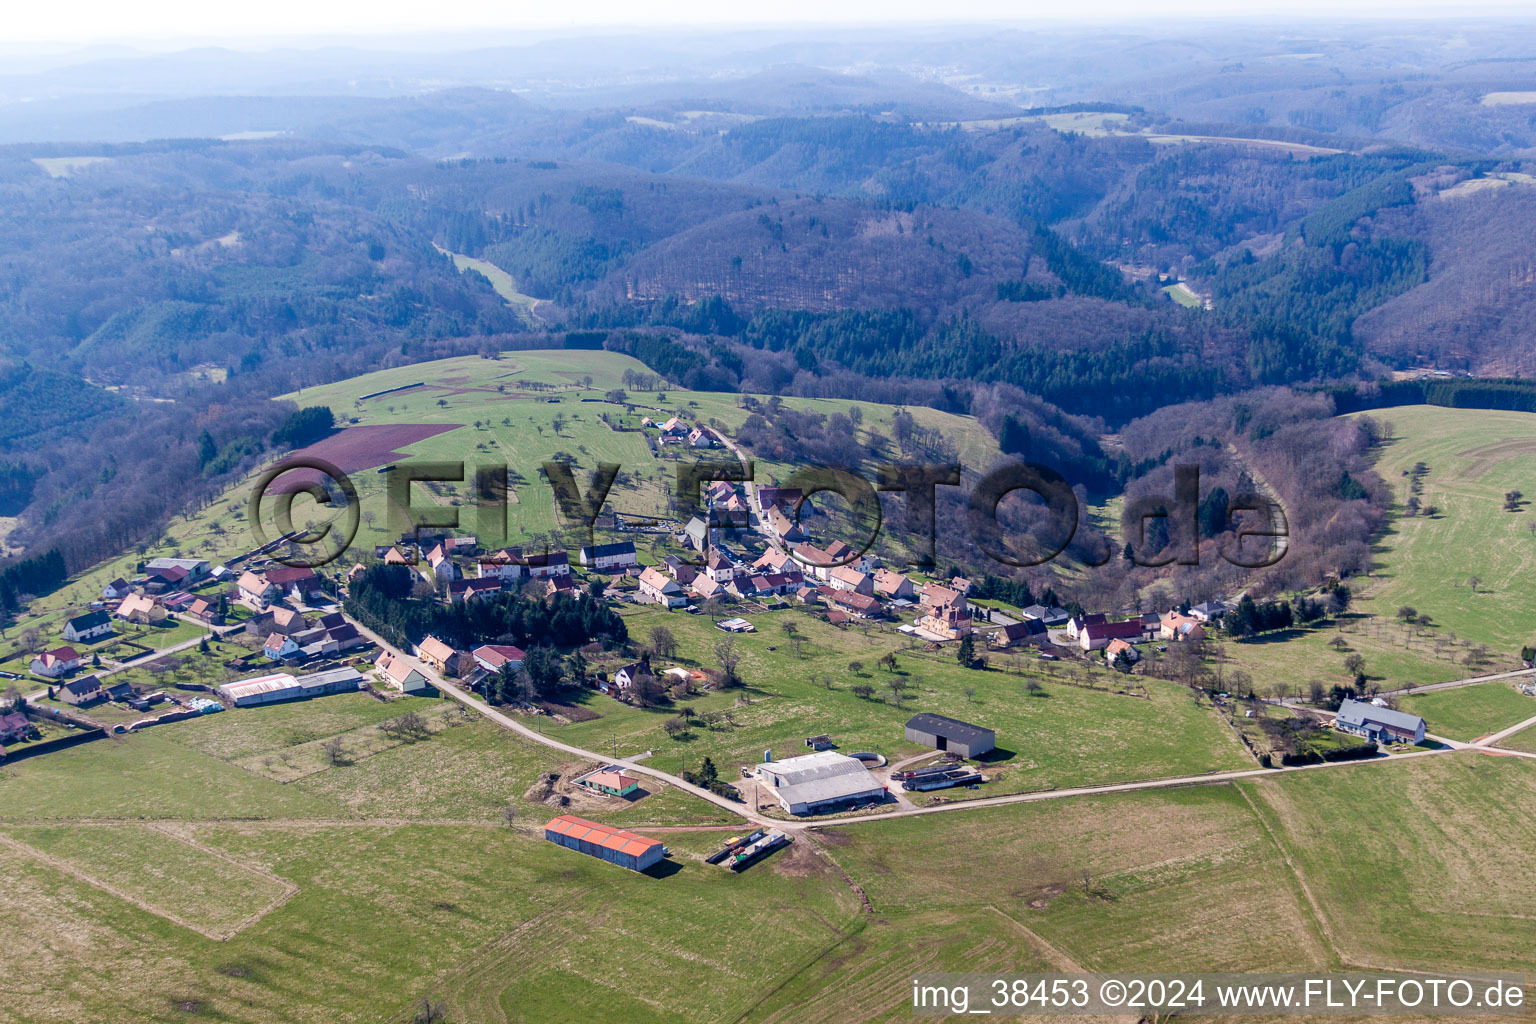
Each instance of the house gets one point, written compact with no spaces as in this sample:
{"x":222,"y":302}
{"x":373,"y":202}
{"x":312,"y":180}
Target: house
{"x":616,"y":846}
{"x":677,"y":568}
{"x":656,"y":588}
{"x":817,"y":561}
{"x":559,"y":585}
{"x":610,"y":780}
{"x":255,"y":589}
{"x":893,"y":586}
{"x":345,"y":636}
{"x":547,"y":564}
{"x":119,"y":692}
{"x":774,"y":560}
{"x":1383,"y":725}
{"x":193,"y":569}
{"x":1096,"y":636}
{"x":1118,"y":648}
{"x":846,"y":577}
{"x":1053,"y":617}
{"x":495,"y":657}
{"x":807,"y":594}
{"x":116,"y":590}
{"x":950,"y":734}
{"x":674,"y":429}
{"x":88,"y":627}
{"x":944,"y":612}
{"x":1077,"y":624}
{"x":824,"y":781}
{"x":394,"y":556}
{"x":205,"y":611}
{"x":296,"y":582}
{"x":15,"y":727}
{"x":437,"y":654}
{"x":786,"y":499}
{"x":85,"y":690}
{"x":468,"y":590}
{"x":141,"y":609}
{"x":288,"y":621}
{"x":698,"y":437}
{"x":608,"y":557}
{"x":401,"y":674}
{"x":506,"y":564}
{"x":279,"y":646}
{"x":719,"y":568}
{"x":1018,"y":634}
{"x":1174,"y":626}
{"x":1209,"y":611}
{"x":440,"y":567}
{"x":706,"y":588}
{"x":624,"y":679}
{"x":55,"y":663}
{"x":859,"y":605}
{"x":785,"y":528}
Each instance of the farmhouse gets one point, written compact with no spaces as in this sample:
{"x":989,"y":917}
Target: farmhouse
{"x":774,"y":560}
{"x":658,"y":589}
{"x":550,"y":563}
{"x":783,"y":526}
{"x":468,"y":590}
{"x":893,"y":586}
{"x":287,"y":621}
{"x":1117,"y":648}
{"x":616,"y":846}
{"x":1078,"y":623}
{"x":495,"y":657}
{"x":55,"y":663}
{"x":142,"y":609}
{"x":610,"y":780}
{"x":626,"y":677}
{"x":608,"y":557}
{"x":1017,"y":634}
{"x":278,"y":646}
{"x":1209,"y":611}
{"x":1097,"y":635}
{"x":440,"y":566}
{"x":255,"y":589}
{"x":81,"y":691}
{"x":950,"y":734}
{"x":400,"y":674}
{"x":719,"y":568}
{"x":813,"y":783}
{"x":846,"y":577}
{"x":87,"y":627}
{"x":205,"y":611}
{"x":1174,"y":626}
{"x":115,"y":590}
{"x":505,"y":564}
{"x":861,"y":605}
{"x":1380,"y":724}
{"x":437,"y":654}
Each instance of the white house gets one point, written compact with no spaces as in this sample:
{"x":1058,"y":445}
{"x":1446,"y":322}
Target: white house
{"x":400,"y":674}
{"x":55,"y":663}
{"x":658,"y":588}
{"x":608,"y":557}
{"x":88,"y":627}
{"x":279,"y":646}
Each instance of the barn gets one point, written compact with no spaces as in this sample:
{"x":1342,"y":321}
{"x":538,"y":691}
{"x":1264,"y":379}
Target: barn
{"x":942,"y":733}
{"x":614,"y":845}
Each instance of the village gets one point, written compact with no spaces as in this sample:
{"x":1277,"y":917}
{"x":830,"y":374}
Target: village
{"x":185,"y":637}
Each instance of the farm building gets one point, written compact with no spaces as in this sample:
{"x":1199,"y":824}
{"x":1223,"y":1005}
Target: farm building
{"x":141,"y":609}
{"x":943,"y":733}
{"x":87,"y":627}
{"x":1381,"y":724}
{"x":437,"y":654}
{"x":605,"y":842}
{"x":193,"y":568}
{"x":818,"y":782}
{"x":610,"y":780}
{"x":271,"y":689}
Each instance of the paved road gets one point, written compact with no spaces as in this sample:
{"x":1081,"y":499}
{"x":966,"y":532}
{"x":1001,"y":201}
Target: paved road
{"x":507,"y":722}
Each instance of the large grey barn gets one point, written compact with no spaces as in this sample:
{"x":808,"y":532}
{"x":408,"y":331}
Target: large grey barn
{"x":950,"y":734}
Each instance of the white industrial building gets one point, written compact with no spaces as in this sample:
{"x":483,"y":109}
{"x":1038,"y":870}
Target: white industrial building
{"x":271,"y":689}
{"x":819,"y":782}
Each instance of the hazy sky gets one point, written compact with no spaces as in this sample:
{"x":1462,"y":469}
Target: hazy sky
{"x":101,"y":20}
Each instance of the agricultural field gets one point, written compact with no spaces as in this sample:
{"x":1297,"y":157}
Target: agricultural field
{"x":1064,"y":734}
{"x":1420,"y":863}
{"x":1467,"y":713}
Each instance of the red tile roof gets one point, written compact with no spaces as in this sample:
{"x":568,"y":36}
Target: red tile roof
{"x":606,"y":836}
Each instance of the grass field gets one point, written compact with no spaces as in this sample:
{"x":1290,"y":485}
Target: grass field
{"x":1067,"y":735}
{"x":1470,"y":712}
{"x":1474,"y":457}
{"x":1422,"y":863}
